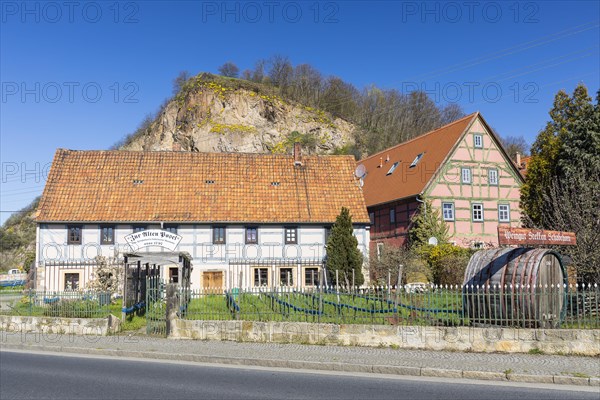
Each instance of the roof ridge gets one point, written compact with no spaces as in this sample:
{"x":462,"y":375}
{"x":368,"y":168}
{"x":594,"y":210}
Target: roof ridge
{"x":472,"y":115}
{"x":204,"y":152}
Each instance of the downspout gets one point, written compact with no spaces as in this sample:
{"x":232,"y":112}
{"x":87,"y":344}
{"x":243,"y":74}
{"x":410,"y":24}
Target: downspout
{"x":422,"y":202}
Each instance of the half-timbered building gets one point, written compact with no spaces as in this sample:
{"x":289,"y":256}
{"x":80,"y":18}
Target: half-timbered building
{"x":245,"y":220}
{"x":461,"y":167}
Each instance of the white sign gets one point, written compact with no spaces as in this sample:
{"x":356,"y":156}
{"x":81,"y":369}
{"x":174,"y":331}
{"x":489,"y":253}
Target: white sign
{"x":153,"y":237}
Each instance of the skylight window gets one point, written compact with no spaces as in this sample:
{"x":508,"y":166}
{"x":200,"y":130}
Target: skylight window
{"x":392,"y":168}
{"x":416,"y":160}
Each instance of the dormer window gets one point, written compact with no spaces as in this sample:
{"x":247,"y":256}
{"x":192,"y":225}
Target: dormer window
{"x":416,"y":160}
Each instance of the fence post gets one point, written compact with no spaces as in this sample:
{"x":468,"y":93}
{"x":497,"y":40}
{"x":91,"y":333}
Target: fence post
{"x":172,"y":308}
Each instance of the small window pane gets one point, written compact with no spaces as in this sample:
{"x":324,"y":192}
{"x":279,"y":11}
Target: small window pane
{"x":171,"y":228}
{"x":466,"y":175}
{"x":311,"y":276}
{"x":503,"y":213}
{"x":107,"y":235}
{"x":73,"y":234}
{"x":218,"y":234}
{"x":286,"y":276}
{"x":477,"y":212}
{"x":478,"y":141}
{"x":72,"y":281}
{"x":448,"y":211}
{"x":291,"y":235}
{"x":251,"y":235}
{"x":392,"y":168}
{"x":139,"y":228}
{"x":493,"y":176}
{"x":392,"y":216}
{"x":416,"y":160}
{"x":372,"y":218}
{"x":261,"y":277}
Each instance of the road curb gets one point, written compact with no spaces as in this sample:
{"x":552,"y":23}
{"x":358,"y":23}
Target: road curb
{"x":321,"y":366}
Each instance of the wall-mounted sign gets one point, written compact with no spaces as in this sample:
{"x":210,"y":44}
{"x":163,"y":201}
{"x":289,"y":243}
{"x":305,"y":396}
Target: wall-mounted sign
{"x":525,"y":236}
{"x":153,"y":237}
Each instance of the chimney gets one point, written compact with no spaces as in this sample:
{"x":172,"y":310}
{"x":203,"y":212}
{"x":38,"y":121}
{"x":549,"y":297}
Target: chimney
{"x":176,"y":146}
{"x":297,"y":155}
{"x":519,"y":160}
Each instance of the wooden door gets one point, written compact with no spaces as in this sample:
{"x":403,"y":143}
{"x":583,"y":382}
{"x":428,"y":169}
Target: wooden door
{"x":212,"y":280}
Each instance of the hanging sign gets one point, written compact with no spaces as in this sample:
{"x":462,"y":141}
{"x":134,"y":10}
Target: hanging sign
{"x":153,"y":237}
{"x":526,"y":236}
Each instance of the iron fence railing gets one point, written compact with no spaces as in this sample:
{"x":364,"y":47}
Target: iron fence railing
{"x":68,"y":304}
{"x":559,"y":306}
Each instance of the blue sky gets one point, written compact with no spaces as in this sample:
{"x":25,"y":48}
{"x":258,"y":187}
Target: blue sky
{"x":81,"y":76}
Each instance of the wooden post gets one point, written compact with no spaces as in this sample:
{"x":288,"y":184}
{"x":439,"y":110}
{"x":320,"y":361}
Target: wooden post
{"x":172,"y":308}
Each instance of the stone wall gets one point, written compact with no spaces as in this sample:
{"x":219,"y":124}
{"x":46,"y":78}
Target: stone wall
{"x":493,"y":339}
{"x":59,"y":326}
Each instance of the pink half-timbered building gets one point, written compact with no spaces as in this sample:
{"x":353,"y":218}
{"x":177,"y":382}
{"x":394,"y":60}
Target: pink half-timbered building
{"x":462,"y":167}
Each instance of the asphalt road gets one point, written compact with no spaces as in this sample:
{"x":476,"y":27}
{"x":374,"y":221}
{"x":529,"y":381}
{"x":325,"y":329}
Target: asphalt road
{"x":51,"y":376}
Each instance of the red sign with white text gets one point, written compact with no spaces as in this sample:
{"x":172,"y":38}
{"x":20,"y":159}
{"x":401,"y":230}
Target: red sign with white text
{"x":525,"y":236}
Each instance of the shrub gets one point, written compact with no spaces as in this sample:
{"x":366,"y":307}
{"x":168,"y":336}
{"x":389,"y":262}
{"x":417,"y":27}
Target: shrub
{"x":447,"y":262}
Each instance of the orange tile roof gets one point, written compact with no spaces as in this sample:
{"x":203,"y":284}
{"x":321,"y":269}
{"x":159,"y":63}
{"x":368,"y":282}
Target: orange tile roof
{"x":405,"y":182}
{"x":163,"y":186}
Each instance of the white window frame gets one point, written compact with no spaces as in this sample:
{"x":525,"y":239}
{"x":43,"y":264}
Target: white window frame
{"x":473,"y":218}
{"x":379,"y":250}
{"x":506,"y":210}
{"x":451,"y":210}
{"x":480,"y":144}
{"x":492,"y":172}
{"x":463,"y":176}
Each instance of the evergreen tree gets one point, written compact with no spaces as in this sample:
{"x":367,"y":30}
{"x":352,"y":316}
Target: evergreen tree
{"x":342,"y":251}
{"x":427,"y":223}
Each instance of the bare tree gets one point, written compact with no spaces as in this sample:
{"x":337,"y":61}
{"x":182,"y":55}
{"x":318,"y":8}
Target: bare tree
{"x":229,"y":70}
{"x":180,"y":81}
{"x":514,"y":145}
{"x":281,"y":72}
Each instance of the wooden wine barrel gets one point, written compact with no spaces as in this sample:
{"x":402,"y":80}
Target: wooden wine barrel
{"x":510,"y":286}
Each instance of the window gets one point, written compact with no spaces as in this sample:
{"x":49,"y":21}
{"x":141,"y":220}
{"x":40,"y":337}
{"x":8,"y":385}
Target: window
{"x":448,"y":211}
{"x":327,"y":233}
{"x":251,"y":235}
{"x":311,"y":276}
{"x":139,"y":228}
{"x":107,"y":235}
{"x":465,"y":174}
{"x":73,"y":234}
{"x":392,"y":168}
{"x":477,"y":212}
{"x":286,"y":276}
{"x":291,"y":235}
{"x":174,"y":275}
{"x":478,"y":141}
{"x":416,"y":160}
{"x":493,"y":176}
{"x":218,"y":234}
{"x":72,"y":281}
{"x":261,"y":277}
{"x":372,"y":218}
{"x":392,"y":216}
{"x":171,"y":228}
{"x":503,"y":213}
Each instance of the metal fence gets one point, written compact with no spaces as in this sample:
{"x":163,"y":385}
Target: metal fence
{"x":431,"y":305}
{"x":67,"y":304}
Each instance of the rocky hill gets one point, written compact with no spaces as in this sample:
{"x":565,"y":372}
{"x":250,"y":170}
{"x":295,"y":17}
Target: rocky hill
{"x":217,"y":114}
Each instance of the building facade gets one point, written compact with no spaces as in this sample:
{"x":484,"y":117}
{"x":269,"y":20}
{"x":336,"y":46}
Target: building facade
{"x":246,"y":220}
{"x":462,"y":168}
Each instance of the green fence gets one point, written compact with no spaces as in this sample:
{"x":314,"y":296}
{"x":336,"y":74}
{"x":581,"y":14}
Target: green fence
{"x":410,"y":305}
{"x":68,"y":304}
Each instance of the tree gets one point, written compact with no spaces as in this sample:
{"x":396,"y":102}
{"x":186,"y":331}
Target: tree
{"x":180,"y":81}
{"x":546,"y":152}
{"x":342,"y":251}
{"x":562,"y":187}
{"x":427,"y":223}
{"x":514,"y":145}
{"x":229,"y":70}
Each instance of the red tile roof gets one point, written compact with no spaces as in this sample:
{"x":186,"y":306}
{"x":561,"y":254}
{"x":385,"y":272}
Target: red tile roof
{"x":379,"y":187}
{"x":132,"y":186}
